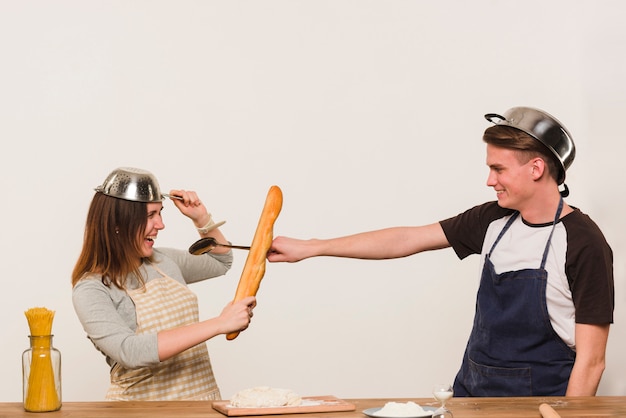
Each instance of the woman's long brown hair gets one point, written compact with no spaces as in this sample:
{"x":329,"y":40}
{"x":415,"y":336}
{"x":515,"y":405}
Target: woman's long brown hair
{"x":111,"y":243}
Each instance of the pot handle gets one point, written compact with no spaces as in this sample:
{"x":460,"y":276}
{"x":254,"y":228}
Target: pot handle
{"x":495,"y":118}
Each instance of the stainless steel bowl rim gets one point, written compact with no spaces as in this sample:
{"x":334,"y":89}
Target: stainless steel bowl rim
{"x":543,"y":127}
{"x":132,"y":184}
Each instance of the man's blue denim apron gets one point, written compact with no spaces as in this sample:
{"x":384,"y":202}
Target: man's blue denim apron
{"x":513,"y":349}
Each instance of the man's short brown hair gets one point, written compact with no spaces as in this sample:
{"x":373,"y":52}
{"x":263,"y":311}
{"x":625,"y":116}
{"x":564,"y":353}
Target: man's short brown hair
{"x":526,"y":146}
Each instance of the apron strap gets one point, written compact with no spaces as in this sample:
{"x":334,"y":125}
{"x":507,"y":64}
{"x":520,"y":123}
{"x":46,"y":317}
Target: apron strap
{"x":547,"y":248}
{"x":506,"y":228}
{"x":556,"y":220}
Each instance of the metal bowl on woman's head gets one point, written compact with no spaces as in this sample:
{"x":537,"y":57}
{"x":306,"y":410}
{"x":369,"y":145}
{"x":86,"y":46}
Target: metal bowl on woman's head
{"x":132,"y":184}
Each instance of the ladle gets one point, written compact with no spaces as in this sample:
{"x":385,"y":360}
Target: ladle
{"x":204,"y":245}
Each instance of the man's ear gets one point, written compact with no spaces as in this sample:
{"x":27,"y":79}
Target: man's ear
{"x":538,"y":166}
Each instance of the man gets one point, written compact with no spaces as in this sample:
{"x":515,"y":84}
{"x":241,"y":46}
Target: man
{"x":546,"y":296}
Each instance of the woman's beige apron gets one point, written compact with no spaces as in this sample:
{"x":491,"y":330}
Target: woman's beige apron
{"x":162,"y":304}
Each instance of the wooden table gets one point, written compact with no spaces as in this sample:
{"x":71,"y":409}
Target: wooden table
{"x":599,"y":406}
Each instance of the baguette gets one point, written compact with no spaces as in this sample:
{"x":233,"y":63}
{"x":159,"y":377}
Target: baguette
{"x":254,"y":268}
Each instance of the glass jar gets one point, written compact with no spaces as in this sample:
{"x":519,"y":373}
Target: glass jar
{"x":41,"y":374}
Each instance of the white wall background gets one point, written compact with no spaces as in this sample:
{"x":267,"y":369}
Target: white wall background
{"x":366,"y":113}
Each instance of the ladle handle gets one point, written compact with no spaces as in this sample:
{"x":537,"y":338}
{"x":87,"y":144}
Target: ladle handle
{"x":237,"y":247}
{"x":171,"y":196}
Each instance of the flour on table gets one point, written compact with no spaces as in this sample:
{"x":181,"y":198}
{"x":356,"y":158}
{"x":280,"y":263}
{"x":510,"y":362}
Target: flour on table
{"x":265,"y":396}
{"x":399,"y":409}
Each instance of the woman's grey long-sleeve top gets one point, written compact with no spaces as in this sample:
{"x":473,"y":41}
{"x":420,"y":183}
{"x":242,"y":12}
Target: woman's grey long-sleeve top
{"x":107,"y":313}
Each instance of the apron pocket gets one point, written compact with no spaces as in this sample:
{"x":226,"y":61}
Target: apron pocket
{"x":124,"y":379}
{"x":485,"y":380}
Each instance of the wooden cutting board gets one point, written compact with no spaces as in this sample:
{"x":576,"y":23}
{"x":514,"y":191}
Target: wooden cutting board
{"x":309,"y":404}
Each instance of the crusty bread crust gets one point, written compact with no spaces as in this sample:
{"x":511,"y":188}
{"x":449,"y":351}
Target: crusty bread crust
{"x":254,"y":268}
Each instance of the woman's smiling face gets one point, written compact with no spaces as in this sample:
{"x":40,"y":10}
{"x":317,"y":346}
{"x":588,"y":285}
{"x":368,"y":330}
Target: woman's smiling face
{"x":153,"y":226}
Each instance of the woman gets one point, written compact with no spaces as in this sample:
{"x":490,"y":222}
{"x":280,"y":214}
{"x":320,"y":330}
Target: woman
{"x":132,"y":299}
